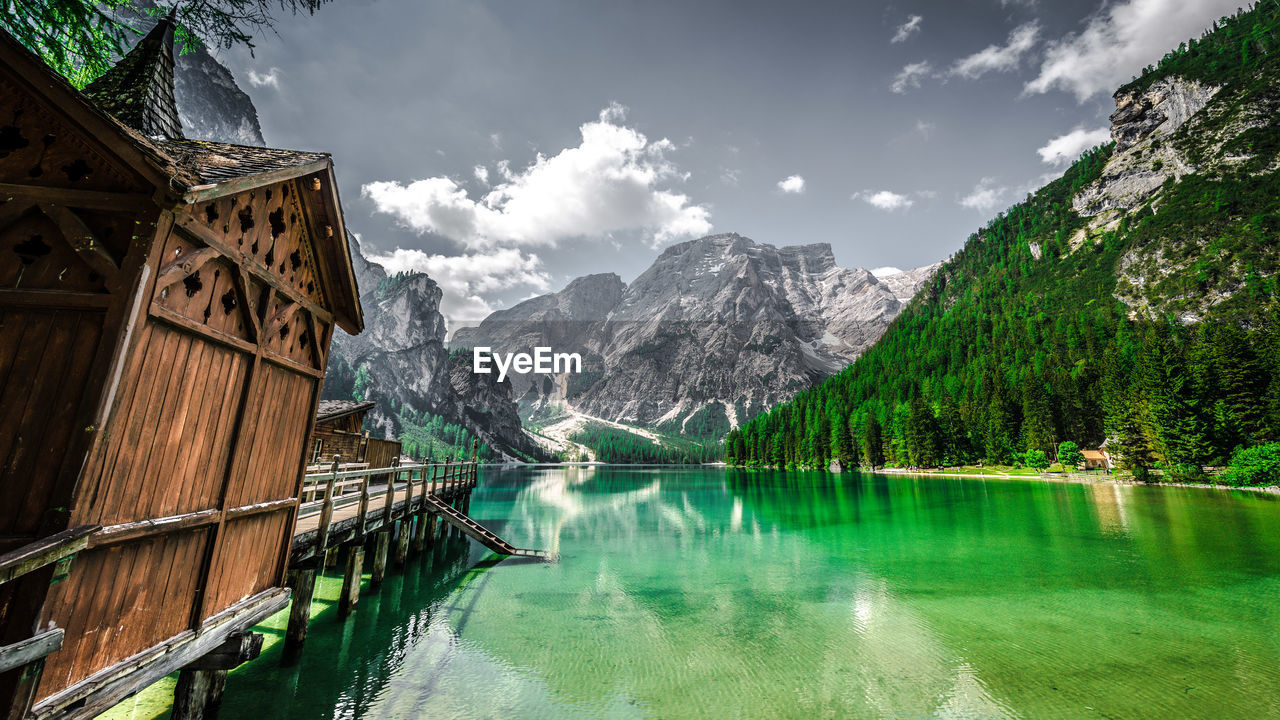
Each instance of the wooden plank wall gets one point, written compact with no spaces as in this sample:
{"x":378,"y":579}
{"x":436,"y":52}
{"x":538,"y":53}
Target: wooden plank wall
{"x":197,"y":473}
{"x":70,"y":211}
{"x":380,"y":453}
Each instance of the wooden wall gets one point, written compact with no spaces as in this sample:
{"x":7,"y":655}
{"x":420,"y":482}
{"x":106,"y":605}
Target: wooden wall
{"x":70,"y":210}
{"x":197,"y":471}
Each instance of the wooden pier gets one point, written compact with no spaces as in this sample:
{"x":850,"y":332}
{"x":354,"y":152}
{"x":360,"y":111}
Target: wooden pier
{"x":385,"y":515}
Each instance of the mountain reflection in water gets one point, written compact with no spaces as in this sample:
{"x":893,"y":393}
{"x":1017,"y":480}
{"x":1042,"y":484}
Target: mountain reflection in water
{"x":712,"y":593}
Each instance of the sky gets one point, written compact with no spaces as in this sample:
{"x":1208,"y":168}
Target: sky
{"x":506,"y":147}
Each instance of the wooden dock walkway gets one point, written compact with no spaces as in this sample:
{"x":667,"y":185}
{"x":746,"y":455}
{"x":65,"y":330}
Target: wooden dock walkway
{"x":389,"y":512}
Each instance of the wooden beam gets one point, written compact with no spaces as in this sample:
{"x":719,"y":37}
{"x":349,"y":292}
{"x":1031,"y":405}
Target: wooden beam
{"x":55,"y":299}
{"x":30,"y":650}
{"x":231,"y":654}
{"x":287,"y":364}
{"x":203,"y":193}
{"x":402,"y":542}
{"x":124,"y":532}
{"x":130,"y":203}
{"x":381,"y":548}
{"x":185,"y":265}
{"x":82,"y":240}
{"x":161,"y":312}
{"x":46,"y":551}
{"x":99,"y":692}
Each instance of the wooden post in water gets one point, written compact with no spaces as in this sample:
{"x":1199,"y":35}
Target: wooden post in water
{"x":351,"y":581}
{"x":302,"y":582}
{"x":198,"y":694}
{"x":201,"y":683}
{"x":421,"y":531}
{"x":381,"y":547}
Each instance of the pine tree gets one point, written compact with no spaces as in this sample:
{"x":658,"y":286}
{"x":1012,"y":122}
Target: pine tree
{"x":873,"y":443}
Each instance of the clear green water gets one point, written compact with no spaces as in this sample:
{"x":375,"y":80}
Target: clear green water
{"x":708,"y":593}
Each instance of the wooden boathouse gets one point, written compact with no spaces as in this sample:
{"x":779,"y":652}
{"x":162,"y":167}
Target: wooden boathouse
{"x":166,"y":308}
{"x":340,"y":430}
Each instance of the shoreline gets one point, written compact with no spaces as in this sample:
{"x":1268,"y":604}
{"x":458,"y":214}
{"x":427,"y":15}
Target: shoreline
{"x":1084,"y":480}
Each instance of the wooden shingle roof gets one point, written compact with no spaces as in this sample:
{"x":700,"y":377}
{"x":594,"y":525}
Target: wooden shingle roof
{"x":138,"y":90}
{"x":333,"y":409}
{"x":212,"y":162}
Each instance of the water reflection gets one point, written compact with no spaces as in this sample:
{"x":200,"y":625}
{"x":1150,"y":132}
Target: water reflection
{"x":691,"y":593}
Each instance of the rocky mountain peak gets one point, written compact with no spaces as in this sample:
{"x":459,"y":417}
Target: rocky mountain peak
{"x":1145,"y":156}
{"x":714,"y":331}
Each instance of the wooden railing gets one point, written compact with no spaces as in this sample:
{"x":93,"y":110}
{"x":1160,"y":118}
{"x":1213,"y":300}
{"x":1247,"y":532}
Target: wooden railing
{"x":57,"y":550}
{"x":369,"y":488}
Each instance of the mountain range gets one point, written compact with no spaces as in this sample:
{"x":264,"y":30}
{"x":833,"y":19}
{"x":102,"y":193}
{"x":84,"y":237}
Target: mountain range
{"x":715,"y":331}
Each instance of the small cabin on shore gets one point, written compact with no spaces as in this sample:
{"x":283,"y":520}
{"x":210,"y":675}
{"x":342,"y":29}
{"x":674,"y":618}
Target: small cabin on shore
{"x":340,"y":431}
{"x":1096,"y":460}
{"x":166,"y":309}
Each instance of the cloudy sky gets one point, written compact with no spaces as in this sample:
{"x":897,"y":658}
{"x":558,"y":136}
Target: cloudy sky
{"x":508,"y":146}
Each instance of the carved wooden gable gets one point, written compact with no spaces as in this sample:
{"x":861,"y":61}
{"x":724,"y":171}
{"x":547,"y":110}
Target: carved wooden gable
{"x":39,"y":147}
{"x":244,"y":266}
{"x":268,"y":225}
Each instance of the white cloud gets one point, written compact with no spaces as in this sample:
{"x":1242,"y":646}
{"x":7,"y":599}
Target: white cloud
{"x":612,"y":181}
{"x":925,"y":129}
{"x":730,"y":177}
{"x":910,"y":76}
{"x":986,"y":195}
{"x":482,"y":174}
{"x":1120,"y":40}
{"x":465,"y":279}
{"x":997,"y":58}
{"x":884,"y":199}
{"x":1066,"y":148}
{"x":793,"y":185}
{"x":906,"y":29}
{"x":270,"y":78}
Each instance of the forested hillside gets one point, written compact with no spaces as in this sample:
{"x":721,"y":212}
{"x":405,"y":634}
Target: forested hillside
{"x":1131,"y":301}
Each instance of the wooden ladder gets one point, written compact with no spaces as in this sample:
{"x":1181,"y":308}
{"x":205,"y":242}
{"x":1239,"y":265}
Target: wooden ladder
{"x":481,"y":534}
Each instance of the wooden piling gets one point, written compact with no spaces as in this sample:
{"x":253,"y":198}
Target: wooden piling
{"x":351,"y":581}
{"x":421,"y":531}
{"x":198,"y":694}
{"x":402,"y":543}
{"x":303,"y":584}
{"x":381,"y":547}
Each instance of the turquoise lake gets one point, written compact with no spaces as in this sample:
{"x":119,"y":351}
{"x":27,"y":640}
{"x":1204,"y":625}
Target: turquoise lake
{"x":713,"y":593}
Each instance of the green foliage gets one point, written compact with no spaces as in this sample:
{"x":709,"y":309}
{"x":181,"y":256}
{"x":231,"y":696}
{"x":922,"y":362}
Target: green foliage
{"x":360,"y":383}
{"x":615,"y":445}
{"x":82,"y":39}
{"x":1036,"y":459}
{"x":423,"y":435}
{"x":1069,"y":455}
{"x":1257,"y":465}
